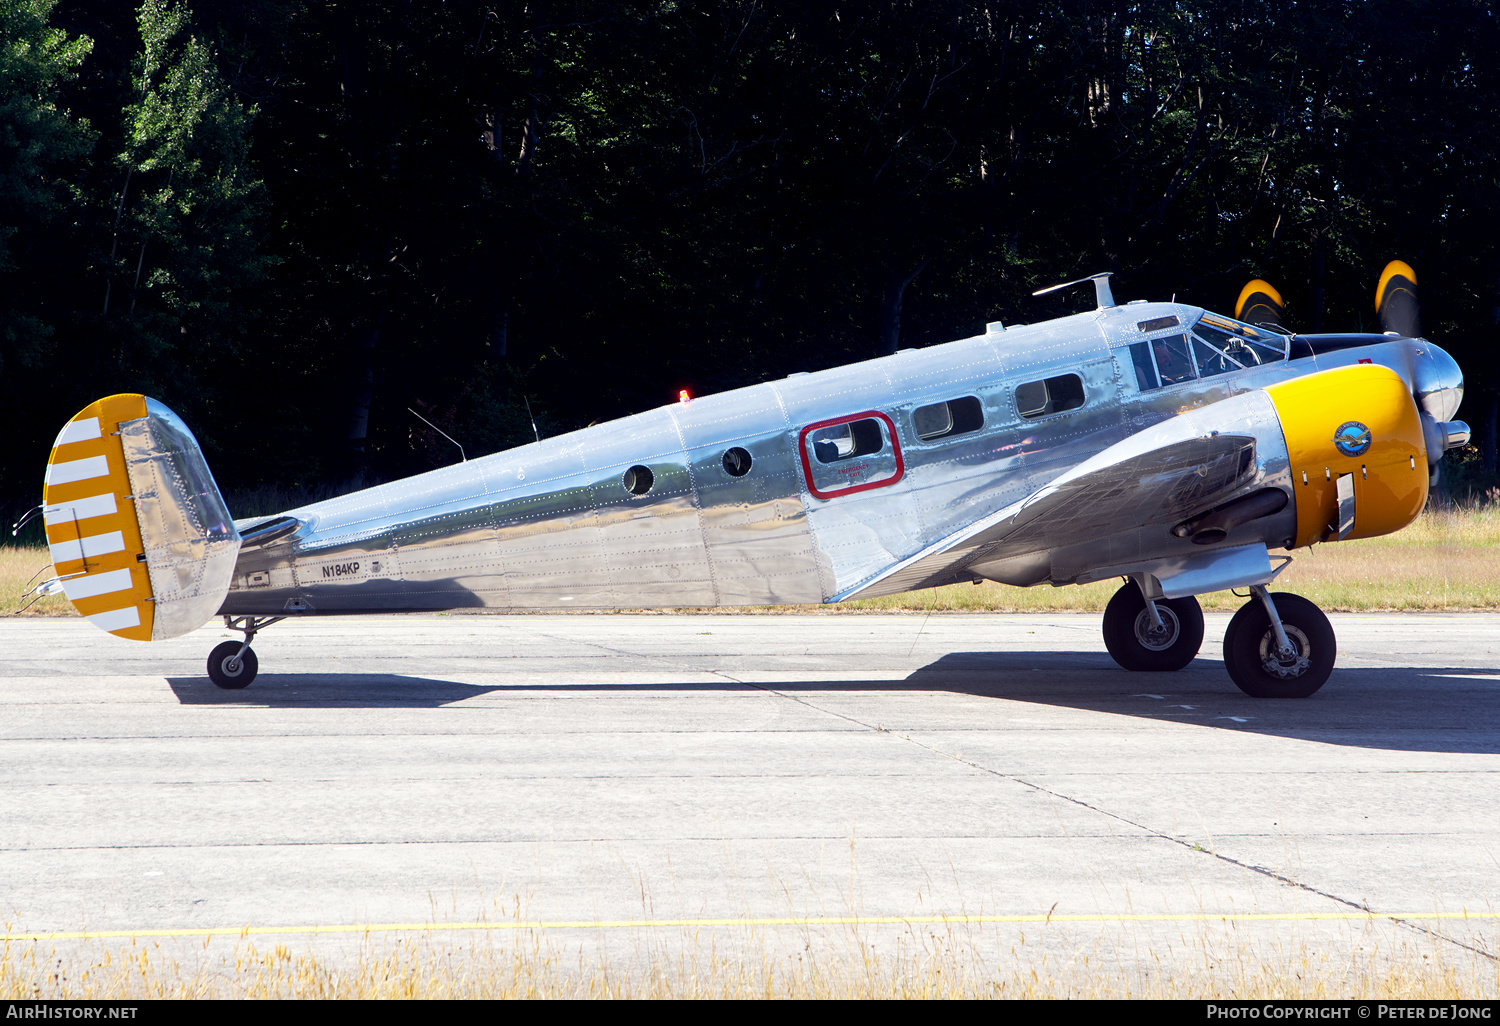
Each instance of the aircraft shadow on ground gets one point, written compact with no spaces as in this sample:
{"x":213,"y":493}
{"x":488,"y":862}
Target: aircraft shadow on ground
{"x":1431,"y":709}
{"x":330,"y":690}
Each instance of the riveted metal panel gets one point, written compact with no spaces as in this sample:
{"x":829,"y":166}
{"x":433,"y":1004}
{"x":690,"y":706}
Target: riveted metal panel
{"x":551,"y":525}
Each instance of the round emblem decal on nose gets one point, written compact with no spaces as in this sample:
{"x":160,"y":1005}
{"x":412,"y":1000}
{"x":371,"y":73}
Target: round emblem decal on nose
{"x":1352,"y":438}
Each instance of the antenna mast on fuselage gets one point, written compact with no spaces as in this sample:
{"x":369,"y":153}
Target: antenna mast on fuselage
{"x":1102,"y":295}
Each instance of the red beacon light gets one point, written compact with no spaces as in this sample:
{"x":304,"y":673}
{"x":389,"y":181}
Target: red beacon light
{"x":683,"y":396}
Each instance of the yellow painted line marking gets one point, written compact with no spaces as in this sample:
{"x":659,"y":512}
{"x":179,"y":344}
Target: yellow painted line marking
{"x":618,"y":924}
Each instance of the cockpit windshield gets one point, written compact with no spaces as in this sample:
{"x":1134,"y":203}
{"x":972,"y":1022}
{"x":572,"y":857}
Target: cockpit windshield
{"x":1214,"y":345}
{"x":1229,"y":344}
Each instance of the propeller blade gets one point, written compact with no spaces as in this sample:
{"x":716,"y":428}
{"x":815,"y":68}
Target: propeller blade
{"x":1396,"y":300}
{"x":1260,"y":303}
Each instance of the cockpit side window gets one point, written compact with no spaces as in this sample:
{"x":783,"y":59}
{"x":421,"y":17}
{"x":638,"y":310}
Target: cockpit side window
{"x":1053,"y":395}
{"x":1213,"y":360}
{"x":1173,"y":359}
{"x":1145,"y":370}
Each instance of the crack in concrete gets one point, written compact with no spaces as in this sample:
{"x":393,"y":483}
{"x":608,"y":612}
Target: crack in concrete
{"x":1147,"y":830}
{"x":1041,"y":789}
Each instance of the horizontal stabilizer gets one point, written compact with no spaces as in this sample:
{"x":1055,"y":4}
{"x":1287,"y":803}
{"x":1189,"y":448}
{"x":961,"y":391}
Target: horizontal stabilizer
{"x":140,"y":537}
{"x":258,"y":531}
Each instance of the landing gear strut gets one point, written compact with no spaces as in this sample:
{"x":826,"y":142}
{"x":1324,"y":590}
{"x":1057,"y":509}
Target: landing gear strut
{"x":1279,"y":647}
{"x":232,"y":665}
{"x":1159,"y":634}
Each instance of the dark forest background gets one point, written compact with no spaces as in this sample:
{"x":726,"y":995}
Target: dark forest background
{"x":290,"y":220}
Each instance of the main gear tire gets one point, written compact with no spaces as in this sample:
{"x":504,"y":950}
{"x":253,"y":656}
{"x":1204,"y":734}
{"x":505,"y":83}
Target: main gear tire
{"x":1250,"y":649}
{"x":1135,"y":645}
{"x":229,"y":668}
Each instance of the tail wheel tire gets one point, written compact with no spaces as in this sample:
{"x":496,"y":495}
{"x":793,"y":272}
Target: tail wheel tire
{"x":230,"y":669}
{"x":1135,"y":645}
{"x":1250,"y":649}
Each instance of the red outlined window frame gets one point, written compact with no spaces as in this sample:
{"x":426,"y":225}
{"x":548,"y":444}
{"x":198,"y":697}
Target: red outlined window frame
{"x":807,"y":470}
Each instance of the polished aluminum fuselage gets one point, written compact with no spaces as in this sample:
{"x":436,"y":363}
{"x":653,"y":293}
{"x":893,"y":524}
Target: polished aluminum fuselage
{"x":551,"y":525}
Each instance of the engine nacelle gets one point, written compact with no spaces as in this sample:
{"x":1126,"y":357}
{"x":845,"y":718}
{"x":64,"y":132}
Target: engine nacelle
{"x":1357,"y":425}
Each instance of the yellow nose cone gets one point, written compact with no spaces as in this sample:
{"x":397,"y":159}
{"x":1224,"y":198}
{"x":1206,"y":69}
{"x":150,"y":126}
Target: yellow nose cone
{"x":1361,"y":421}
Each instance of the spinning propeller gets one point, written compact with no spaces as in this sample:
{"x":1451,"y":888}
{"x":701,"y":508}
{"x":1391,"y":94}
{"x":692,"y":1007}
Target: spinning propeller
{"x":1437,"y":383}
{"x":1260,"y":303}
{"x":1395,"y":302}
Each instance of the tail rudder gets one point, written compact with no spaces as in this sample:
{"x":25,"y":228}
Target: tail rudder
{"x":140,"y":536}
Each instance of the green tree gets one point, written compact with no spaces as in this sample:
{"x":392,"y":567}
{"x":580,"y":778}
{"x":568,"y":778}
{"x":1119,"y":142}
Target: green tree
{"x":592,"y":203}
{"x":183,"y":245}
{"x":38,"y":140}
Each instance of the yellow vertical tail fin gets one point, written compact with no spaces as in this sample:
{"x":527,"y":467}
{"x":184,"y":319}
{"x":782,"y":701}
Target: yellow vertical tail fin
{"x":138,"y":531}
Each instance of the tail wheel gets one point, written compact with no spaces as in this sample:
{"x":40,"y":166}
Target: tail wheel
{"x":229,"y":668}
{"x":1136,"y":645}
{"x":1250,"y":653}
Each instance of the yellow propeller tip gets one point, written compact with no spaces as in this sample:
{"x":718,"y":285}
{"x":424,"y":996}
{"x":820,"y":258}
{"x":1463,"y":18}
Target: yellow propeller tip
{"x":1392,"y":269}
{"x":1251,"y":288}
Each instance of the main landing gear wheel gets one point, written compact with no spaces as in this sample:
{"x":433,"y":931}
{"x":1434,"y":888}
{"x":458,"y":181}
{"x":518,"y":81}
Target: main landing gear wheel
{"x":1252,"y":659}
{"x":1137,"y":644}
{"x":231,"y":669}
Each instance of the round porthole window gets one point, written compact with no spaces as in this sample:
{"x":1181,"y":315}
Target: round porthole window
{"x":638,"y":480}
{"x":737,"y":462}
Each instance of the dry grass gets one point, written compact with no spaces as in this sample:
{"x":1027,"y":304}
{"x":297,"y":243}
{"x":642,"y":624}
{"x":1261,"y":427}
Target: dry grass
{"x":22,"y":566}
{"x":1375,"y":960}
{"x":1447,"y":560}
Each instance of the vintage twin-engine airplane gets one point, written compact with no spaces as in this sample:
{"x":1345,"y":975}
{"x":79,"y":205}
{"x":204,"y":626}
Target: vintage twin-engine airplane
{"x":1154,"y":442}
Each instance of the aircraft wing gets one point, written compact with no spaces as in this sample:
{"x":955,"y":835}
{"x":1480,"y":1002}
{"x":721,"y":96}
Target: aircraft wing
{"x":1161,"y":476}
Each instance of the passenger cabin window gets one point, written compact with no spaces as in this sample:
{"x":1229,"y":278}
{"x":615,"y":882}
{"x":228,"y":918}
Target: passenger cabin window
{"x":1054,"y":395}
{"x":851,"y":454}
{"x":848,"y":441}
{"x":943,"y":420}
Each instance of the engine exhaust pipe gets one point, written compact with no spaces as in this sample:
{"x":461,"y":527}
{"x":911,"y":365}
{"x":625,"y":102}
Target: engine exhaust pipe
{"x":1215,"y":525}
